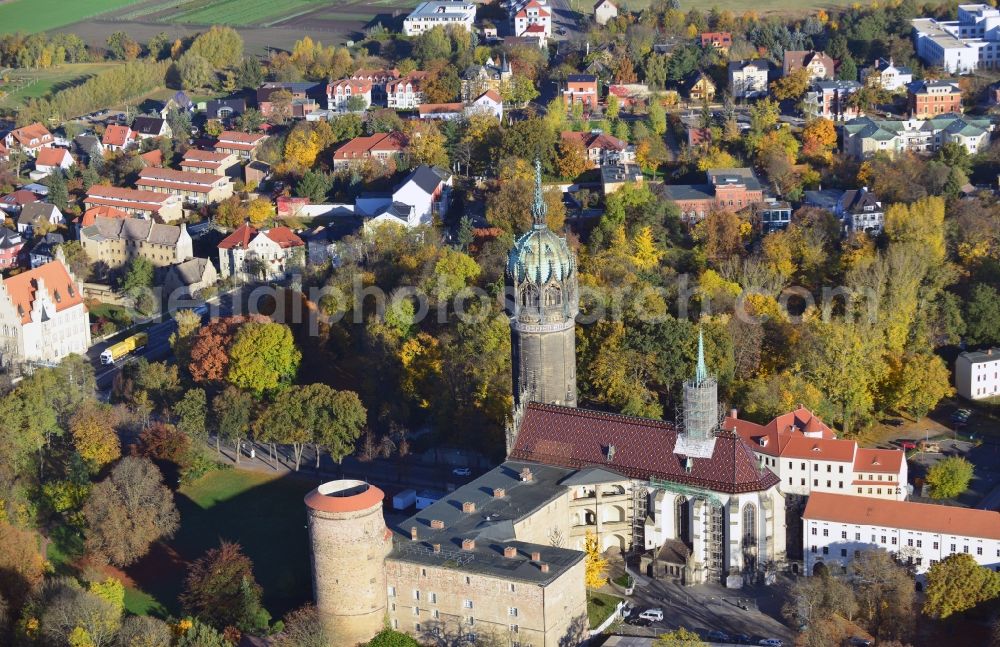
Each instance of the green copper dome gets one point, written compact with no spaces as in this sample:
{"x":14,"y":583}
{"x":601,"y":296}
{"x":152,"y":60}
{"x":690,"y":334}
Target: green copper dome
{"x":539,"y":255}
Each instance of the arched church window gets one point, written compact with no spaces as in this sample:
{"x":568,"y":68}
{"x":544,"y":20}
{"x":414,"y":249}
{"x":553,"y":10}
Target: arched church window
{"x":553,"y":296}
{"x":750,"y":523}
{"x":529,"y":296}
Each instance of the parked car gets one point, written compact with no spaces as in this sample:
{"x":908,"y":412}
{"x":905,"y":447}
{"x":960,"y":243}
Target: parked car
{"x":858,"y":641}
{"x":462,"y":471}
{"x":741,"y":639}
{"x":717,"y":636}
{"x":961,"y":415}
{"x":653,"y":615}
{"x":906,"y":443}
{"x":639,"y":622}
{"x":894,"y":422}
{"x":771,"y":642}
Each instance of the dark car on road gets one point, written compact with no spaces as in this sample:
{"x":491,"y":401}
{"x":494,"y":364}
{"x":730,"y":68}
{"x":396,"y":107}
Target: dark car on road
{"x":717,"y":636}
{"x":636,"y":621}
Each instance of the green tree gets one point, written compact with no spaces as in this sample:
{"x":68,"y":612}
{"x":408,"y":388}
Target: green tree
{"x":232,"y":411}
{"x":336,"y":419}
{"x":263,"y":358}
{"x":221,"y":590}
{"x":58,"y":194}
{"x":949,"y":477}
{"x":957,"y":583}
{"x":884,"y":592}
{"x":917,"y":382}
{"x":159,"y":46}
{"x":222,"y":47}
{"x":432,"y":44}
{"x":679,"y":637}
{"x":190,"y":413}
{"x":77,"y":259}
{"x":120,"y":46}
{"x":250,"y":121}
{"x":249,"y":73}
{"x":657,"y":118}
{"x":138,"y":275}
{"x":982,"y":316}
{"x":194,"y":71}
{"x":452,"y":272}
{"x":314,"y":185}
{"x":199,"y":634}
{"x":392,"y":638}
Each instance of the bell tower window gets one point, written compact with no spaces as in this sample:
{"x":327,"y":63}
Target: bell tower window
{"x":529,"y":296}
{"x":553,"y":296}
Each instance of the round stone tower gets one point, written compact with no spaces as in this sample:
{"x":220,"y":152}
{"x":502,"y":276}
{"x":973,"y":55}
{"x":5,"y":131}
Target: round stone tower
{"x":543,"y":301}
{"x":349,"y":543}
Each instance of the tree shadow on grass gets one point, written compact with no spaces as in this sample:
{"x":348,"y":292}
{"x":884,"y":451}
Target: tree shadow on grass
{"x":267,"y":518}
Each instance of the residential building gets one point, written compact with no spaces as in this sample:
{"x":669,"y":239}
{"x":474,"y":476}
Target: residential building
{"x":188,"y":279}
{"x":265,"y":254}
{"x":960,"y":46}
{"x":860,"y":211}
{"x":748,"y":79}
{"x":405,"y":93}
{"x":821,"y":67}
{"x":147,"y":127}
{"x":30,"y":139}
{"x":582,"y":89}
{"x":50,"y":159}
{"x":340,"y":92}
{"x":378,"y":79}
{"x":604,"y":12}
{"x":180,"y":102}
{"x":11,"y":244}
{"x":440,"y":13}
{"x":304,"y":98}
{"x":477,"y":79}
{"x":12,"y":203}
{"x":88,"y":147}
{"x":194,"y":188}
{"x":132,"y":201}
{"x":831,"y":100}
{"x":732,"y":189}
{"x":802,"y":451}
{"x":442,"y":111}
{"x":927,"y":99}
{"x":91,"y":215}
{"x":211,"y":162}
{"x":630,"y":94}
{"x":256,"y":172}
{"x":977,"y":374}
{"x":116,"y":241}
{"x":864,"y":137}
{"x":225,"y":110}
{"x":421,"y":196}
{"x":242,"y":145}
{"x":720,"y":40}
{"x":42,"y":315}
{"x":380,"y":147}
{"x":602,"y":148}
{"x":44,"y":250}
{"x":532,"y":19}
{"x":837,"y":528}
{"x":37,"y":217}
{"x":774,"y":215}
{"x":117,"y":138}
{"x":887,"y":75}
{"x":488,"y":102}
{"x":700,"y":87}
{"x":615,"y":176}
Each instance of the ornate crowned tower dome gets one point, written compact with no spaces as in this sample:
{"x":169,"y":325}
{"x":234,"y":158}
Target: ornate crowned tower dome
{"x":543,"y":302}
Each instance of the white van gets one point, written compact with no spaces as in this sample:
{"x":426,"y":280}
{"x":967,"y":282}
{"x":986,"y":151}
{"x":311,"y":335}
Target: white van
{"x":653,"y":615}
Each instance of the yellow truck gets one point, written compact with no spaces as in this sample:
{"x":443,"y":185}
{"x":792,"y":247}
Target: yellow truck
{"x":115,"y":352}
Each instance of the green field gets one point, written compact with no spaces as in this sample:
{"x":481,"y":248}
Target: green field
{"x":32,"y":16}
{"x":236,"y":12}
{"x":263,"y":512}
{"x":31,"y":84}
{"x":738,"y":7}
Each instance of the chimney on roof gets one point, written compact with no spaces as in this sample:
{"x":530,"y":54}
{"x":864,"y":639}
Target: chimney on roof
{"x":536,"y":556}
{"x":436,"y":548}
{"x":734,"y":414}
{"x":526,"y":475}
{"x":469,"y":507}
{"x":544,"y":568}
{"x":499,"y":493}
{"x":413,"y":533}
{"x":468,"y":544}
{"x":509,"y":552}
{"x":437,"y":524}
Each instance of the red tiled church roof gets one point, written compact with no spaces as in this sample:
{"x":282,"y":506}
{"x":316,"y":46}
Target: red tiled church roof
{"x":643,"y":449}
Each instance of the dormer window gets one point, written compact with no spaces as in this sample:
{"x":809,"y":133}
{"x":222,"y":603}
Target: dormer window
{"x":70,"y":291}
{"x":20,"y":310}
{"x":57,"y":296}
{"x":763,"y":441}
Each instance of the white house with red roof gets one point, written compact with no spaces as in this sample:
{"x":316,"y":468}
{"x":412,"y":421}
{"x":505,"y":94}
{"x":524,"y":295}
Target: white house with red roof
{"x":340,"y":92}
{"x":380,"y":147}
{"x":50,"y":159}
{"x":488,"y":102}
{"x":837,"y":528}
{"x":42,"y":315}
{"x":242,"y":145}
{"x":808,"y":457}
{"x":118,"y":138}
{"x":406,"y":93}
{"x":601,"y":148}
{"x":532,"y":19}
{"x":30,"y":139}
{"x":250,"y":254}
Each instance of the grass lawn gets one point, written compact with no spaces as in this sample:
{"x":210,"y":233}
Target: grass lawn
{"x":31,"y":16}
{"x":263,"y":512}
{"x":24,"y":84}
{"x":236,"y":12}
{"x":600,"y":606}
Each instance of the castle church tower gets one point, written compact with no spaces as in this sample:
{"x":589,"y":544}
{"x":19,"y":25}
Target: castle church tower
{"x":543,"y":301}
{"x":701,"y":410}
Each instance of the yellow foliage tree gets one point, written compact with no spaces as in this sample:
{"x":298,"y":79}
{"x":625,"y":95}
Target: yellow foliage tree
{"x":779,"y":253}
{"x":920,"y":223}
{"x":426,"y":144}
{"x":572,"y":158}
{"x":260,"y":211}
{"x":94,"y":437}
{"x":597,"y":566}
{"x":715,"y":157}
{"x":819,"y":137}
{"x":420,"y":359}
{"x":301,"y":148}
{"x":791,"y":86}
{"x":645,"y":253}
